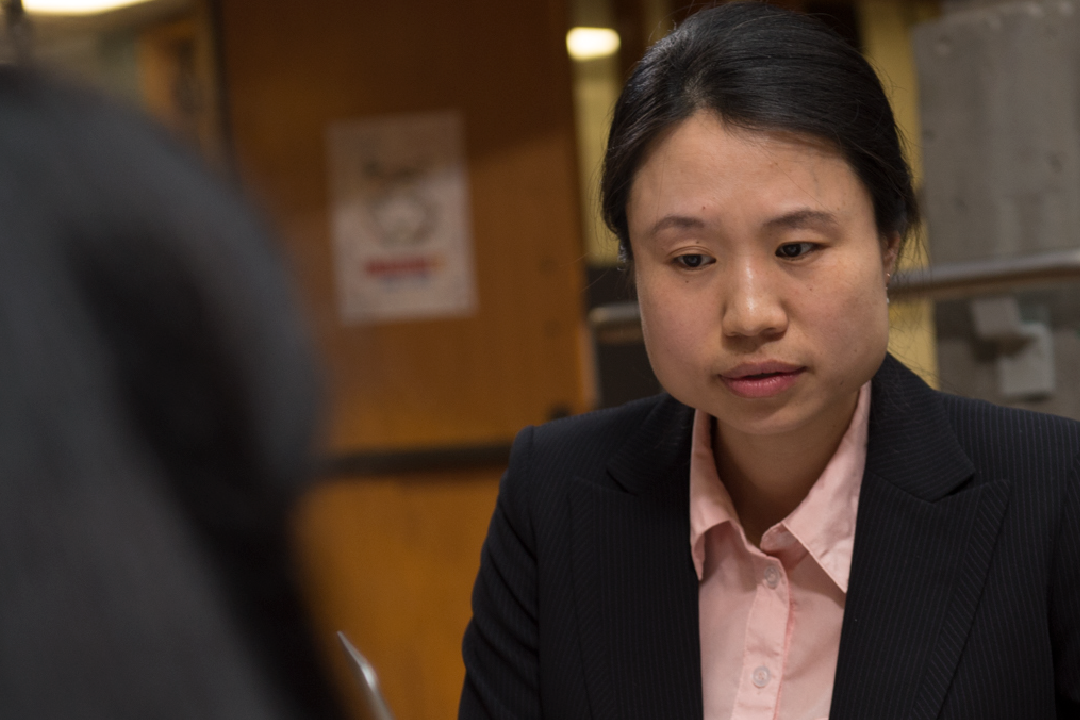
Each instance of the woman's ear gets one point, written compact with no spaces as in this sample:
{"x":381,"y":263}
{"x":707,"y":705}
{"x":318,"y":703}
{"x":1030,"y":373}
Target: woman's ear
{"x":890,"y":252}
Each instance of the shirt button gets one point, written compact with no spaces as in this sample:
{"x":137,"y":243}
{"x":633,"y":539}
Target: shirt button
{"x":761,"y":676}
{"x":772,"y":576}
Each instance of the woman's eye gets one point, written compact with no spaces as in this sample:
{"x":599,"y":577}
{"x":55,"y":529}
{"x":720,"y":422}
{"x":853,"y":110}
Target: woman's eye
{"x":693,"y":260}
{"x":794,"y":250}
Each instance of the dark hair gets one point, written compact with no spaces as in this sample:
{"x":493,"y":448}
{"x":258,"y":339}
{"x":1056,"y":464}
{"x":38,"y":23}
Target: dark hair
{"x":156,"y":425}
{"x":760,"y":67}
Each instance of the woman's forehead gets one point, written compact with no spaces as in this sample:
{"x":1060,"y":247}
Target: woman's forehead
{"x":707,"y":128}
{"x":706,"y":165}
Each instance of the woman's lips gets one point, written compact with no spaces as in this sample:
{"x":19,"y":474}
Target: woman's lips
{"x":761,"y":380}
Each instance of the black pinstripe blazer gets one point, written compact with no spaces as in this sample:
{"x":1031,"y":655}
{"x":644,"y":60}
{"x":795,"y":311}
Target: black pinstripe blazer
{"x":963,"y":597}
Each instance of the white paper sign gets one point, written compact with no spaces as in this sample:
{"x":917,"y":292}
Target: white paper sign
{"x":400,"y":211}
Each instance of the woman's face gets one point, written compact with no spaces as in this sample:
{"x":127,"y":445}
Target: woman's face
{"x":761,"y":275}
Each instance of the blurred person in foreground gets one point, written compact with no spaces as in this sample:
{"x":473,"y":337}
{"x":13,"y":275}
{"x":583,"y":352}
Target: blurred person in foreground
{"x":157,"y":405}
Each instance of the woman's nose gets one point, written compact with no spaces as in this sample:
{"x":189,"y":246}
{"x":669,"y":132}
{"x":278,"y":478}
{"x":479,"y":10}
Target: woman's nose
{"x":752,"y":302}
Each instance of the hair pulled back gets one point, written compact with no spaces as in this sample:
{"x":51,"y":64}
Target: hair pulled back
{"x":761,"y":68}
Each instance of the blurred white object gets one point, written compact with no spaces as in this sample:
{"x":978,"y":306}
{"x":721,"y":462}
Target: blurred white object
{"x":369,"y":681}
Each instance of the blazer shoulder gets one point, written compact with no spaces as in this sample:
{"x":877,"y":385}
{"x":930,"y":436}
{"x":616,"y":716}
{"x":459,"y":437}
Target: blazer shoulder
{"x":1004,"y":436}
{"x":594,"y":437}
{"x":586,"y":446}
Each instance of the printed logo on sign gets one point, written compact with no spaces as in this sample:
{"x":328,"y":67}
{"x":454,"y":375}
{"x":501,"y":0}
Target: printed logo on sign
{"x":404,"y":267}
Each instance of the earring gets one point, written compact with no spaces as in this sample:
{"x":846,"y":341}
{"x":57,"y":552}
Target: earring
{"x":888,"y":277}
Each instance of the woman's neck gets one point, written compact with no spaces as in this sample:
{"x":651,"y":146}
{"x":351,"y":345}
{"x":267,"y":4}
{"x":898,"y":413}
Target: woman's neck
{"x":767,"y":476}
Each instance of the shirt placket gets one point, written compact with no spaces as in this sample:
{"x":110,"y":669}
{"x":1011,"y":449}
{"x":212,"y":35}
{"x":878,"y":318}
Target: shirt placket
{"x":766,"y":634}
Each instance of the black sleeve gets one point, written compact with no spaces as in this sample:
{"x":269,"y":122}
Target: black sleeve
{"x":1065,"y":601}
{"x":501,"y":645}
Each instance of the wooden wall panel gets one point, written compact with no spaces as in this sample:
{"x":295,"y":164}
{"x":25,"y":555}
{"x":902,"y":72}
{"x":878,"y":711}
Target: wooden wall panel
{"x":293,"y":68}
{"x":392,"y":560}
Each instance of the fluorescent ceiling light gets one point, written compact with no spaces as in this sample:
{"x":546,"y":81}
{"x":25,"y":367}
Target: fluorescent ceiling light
{"x":586,"y":43}
{"x":75,"y":7}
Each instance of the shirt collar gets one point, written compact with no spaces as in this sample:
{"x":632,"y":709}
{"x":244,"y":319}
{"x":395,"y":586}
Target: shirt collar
{"x":823,"y":523}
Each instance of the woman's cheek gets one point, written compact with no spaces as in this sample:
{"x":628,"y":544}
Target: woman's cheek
{"x":849,"y":324}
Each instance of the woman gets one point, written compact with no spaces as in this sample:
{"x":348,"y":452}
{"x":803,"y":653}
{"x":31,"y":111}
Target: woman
{"x":158,"y":406}
{"x":801,"y":528}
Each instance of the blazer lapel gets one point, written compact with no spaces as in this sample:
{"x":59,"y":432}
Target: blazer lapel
{"x":924,"y":539}
{"x":634,"y":581}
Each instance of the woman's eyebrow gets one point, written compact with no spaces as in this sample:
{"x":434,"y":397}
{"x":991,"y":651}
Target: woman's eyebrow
{"x":797,"y":220}
{"x":803,"y":219}
{"x":676,"y":221}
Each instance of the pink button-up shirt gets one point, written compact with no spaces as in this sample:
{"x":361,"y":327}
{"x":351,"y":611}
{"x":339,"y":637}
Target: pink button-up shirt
{"x":770,"y":617}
